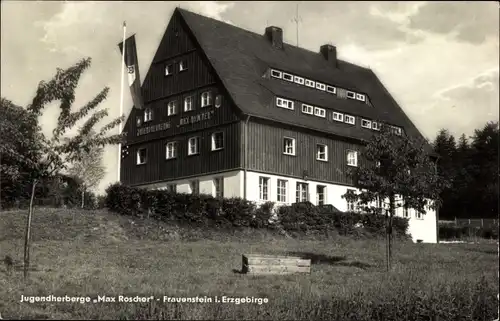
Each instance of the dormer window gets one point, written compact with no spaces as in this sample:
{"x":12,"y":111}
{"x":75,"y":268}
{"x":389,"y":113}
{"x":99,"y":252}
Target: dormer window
{"x":320,"y":112}
{"x":375,"y":126}
{"x":351,"y":95}
{"x":320,"y":86}
{"x":206,"y":99}
{"x":360,"y":97}
{"x":310,"y":83}
{"x":338,"y":116}
{"x":148,"y":114}
{"x":349,"y":119}
{"x":307,"y":109}
{"x":183,"y":65}
{"x":331,"y":90}
{"x":298,"y":80}
{"x":365,"y":123}
{"x":276,"y":74}
{"x":288,"y":77}
{"x":169,"y":70}
{"x":284,"y":103}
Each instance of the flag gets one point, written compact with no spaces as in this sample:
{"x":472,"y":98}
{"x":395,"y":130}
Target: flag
{"x":132,"y":67}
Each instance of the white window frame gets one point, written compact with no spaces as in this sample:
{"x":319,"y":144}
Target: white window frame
{"x":331,"y":89}
{"x":218,"y":101}
{"x":169,"y":70}
{"x":351,"y":205}
{"x":298,"y":80}
{"x":276,"y":74}
{"x":148,"y":114}
{"x":398,"y":130}
{"x":206,"y":99}
{"x":284,"y":103}
{"x":214,"y":141}
{"x":310,"y":83}
{"x":352,"y":158}
{"x":286,"y":147}
{"x":301,"y":192}
{"x":194,"y":186}
{"x":322,"y":155}
{"x":418,"y":215}
{"x":320,"y":112}
{"x":307,"y":109}
{"x":365,"y":123}
{"x":264,"y":188}
{"x":349,"y":119}
{"x":171,"y":150}
{"x":281,"y":190}
{"x":375,"y":125}
{"x":188,"y":103}
{"x":320,"y":86}
{"x":219,"y":186}
{"x":338,"y":117}
{"x":288,"y":75}
{"x":138,"y":157}
{"x":194,"y":141}
{"x":172,"y":108}
{"x":183,"y":65}
{"x":323,"y":192}
{"x":352,"y":93}
{"x":360,"y":97}
{"x":406,"y":212}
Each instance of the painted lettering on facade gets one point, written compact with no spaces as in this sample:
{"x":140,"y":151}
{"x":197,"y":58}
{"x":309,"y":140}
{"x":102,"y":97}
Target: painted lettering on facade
{"x":196,"y":118}
{"x":153,"y":128}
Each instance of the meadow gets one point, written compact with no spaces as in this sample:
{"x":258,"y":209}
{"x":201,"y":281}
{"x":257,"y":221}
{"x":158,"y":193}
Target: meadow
{"x":91,"y":253}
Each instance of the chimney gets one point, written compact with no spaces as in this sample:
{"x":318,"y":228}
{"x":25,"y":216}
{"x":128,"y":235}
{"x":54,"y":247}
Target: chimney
{"x":275,"y":36}
{"x":329,"y":52}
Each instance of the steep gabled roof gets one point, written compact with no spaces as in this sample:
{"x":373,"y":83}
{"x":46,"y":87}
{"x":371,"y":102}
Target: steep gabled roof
{"x":240,"y":58}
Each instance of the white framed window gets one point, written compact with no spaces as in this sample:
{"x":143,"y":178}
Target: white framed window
{"x":320,"y":86}
{"x":360,"y":97}
{"x":288,"y":146}
{"x":218,"y":141}
{"x":142,"y":156}
{"x":302,"y":192}
{"x":194,"y":186}
{"x":418,"y":215}
{"x":169,"y":70}
{"x":310,"y":83}
{"x":219,"y":187}
{"x":406,"y":212}
{"x":351,"y":94}
{"x":349,"y":119}
{"x":365,"y":123}
{"x":298,"y":80}
{"x":148,"y":114}
{"x":331,"y":89}
{"x":338,"y":116}
{"x":263,"y":188}
{"x":284,"y":103}
{"x":171,"y":150}
{"x":307,"y":109}
{"x":375,"y":126}
{"x":288,"y":77}
{"x":218,"y":101}
{"x":206,"y":99}
{"x":321,"y":152}
{"x":320,"y":194}
{"x":194,"y":145}
{"x":183,"y":65}
{"x":398,"y":130}
{"x":352,"y":158}
{"x":172,"y":188}
{"x":188,"y":103}
{"x":320,"y":112}
{"x":172,"y":108}
{"x":276,"y":74}
{"x":350,"y":205}
{"x":282,"y":190}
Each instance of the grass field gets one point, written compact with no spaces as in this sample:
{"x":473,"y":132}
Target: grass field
{"x":85,"y":253}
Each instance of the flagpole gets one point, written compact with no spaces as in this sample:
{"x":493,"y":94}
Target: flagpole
{"x":120,"y":126}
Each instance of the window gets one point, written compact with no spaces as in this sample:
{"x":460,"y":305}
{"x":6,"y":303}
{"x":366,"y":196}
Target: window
{"x":171,"y":150}
{"x":188,"y":103}
{"x":284,"y":103}
{"x":172,"y":108}
{"x":331,"y":90}
{"x":206,"y":99}
{"x":282,"y":188}
{"x":288,"y":77}
{"x":350,"y":205}
{"x":338,"y":116}
{"x":263,"y":188}
{"x":398,"y":130}
{"x":350,"y":119}
{"x":375,"y":126}
{"x":320,"y":86}
{"x":275,"y":73}
{"x":183,"y":65}
{"x":321,"y":152}
{"x":194,"y":186}
{"x":310,"y":83}
{"x":138,"y":121}
{"x":418,"y":215}
{"x":289,"y":146}
{"x":352,"y":158}
{"x":380,"y":203}
{"x":193,"y":146}
{"x":172,"y":188}
{"x":307,"y":109}
{"x":218,"y":101}
{"x":405,"y":212}
{"x":351,"y":94}
{"x":365,"y":123}
{"x":320,"y":194}
{"x":148,"y":114}
{"x":169,"y":70}
{"x":217,"y":141}
{"x":219,"y":186}
{"x":360,"y":97}
{"x":320,"y":112}
{"x":302,"y":194}
{"x":298,"y":80}
{"x":142,"y":156}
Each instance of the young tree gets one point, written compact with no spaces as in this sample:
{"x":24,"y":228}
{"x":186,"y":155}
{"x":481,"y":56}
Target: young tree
{"x":395,"y":165}
{"x":50,"y":155}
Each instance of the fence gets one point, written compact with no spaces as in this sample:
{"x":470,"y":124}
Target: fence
{"x":473,"y":222}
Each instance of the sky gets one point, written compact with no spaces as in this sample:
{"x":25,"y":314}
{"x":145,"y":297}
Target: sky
{"x":440,"y":60}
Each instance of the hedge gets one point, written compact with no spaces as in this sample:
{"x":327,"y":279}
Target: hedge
{"x":452,"y":232}
{"x":207,"y":211}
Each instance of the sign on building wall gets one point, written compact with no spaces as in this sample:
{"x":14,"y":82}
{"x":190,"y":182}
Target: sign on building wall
{"x":196,"y":118}
{"x":182,"y":122}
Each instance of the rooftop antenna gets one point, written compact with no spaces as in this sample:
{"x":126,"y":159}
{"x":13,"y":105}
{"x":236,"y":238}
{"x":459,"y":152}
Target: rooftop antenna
{"x":297,"y":19}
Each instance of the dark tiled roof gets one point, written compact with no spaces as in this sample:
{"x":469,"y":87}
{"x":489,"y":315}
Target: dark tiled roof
{"x":241,"y":58}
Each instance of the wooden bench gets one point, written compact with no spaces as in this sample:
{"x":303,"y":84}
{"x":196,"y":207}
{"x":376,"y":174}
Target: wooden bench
{"x":261,"y":264}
